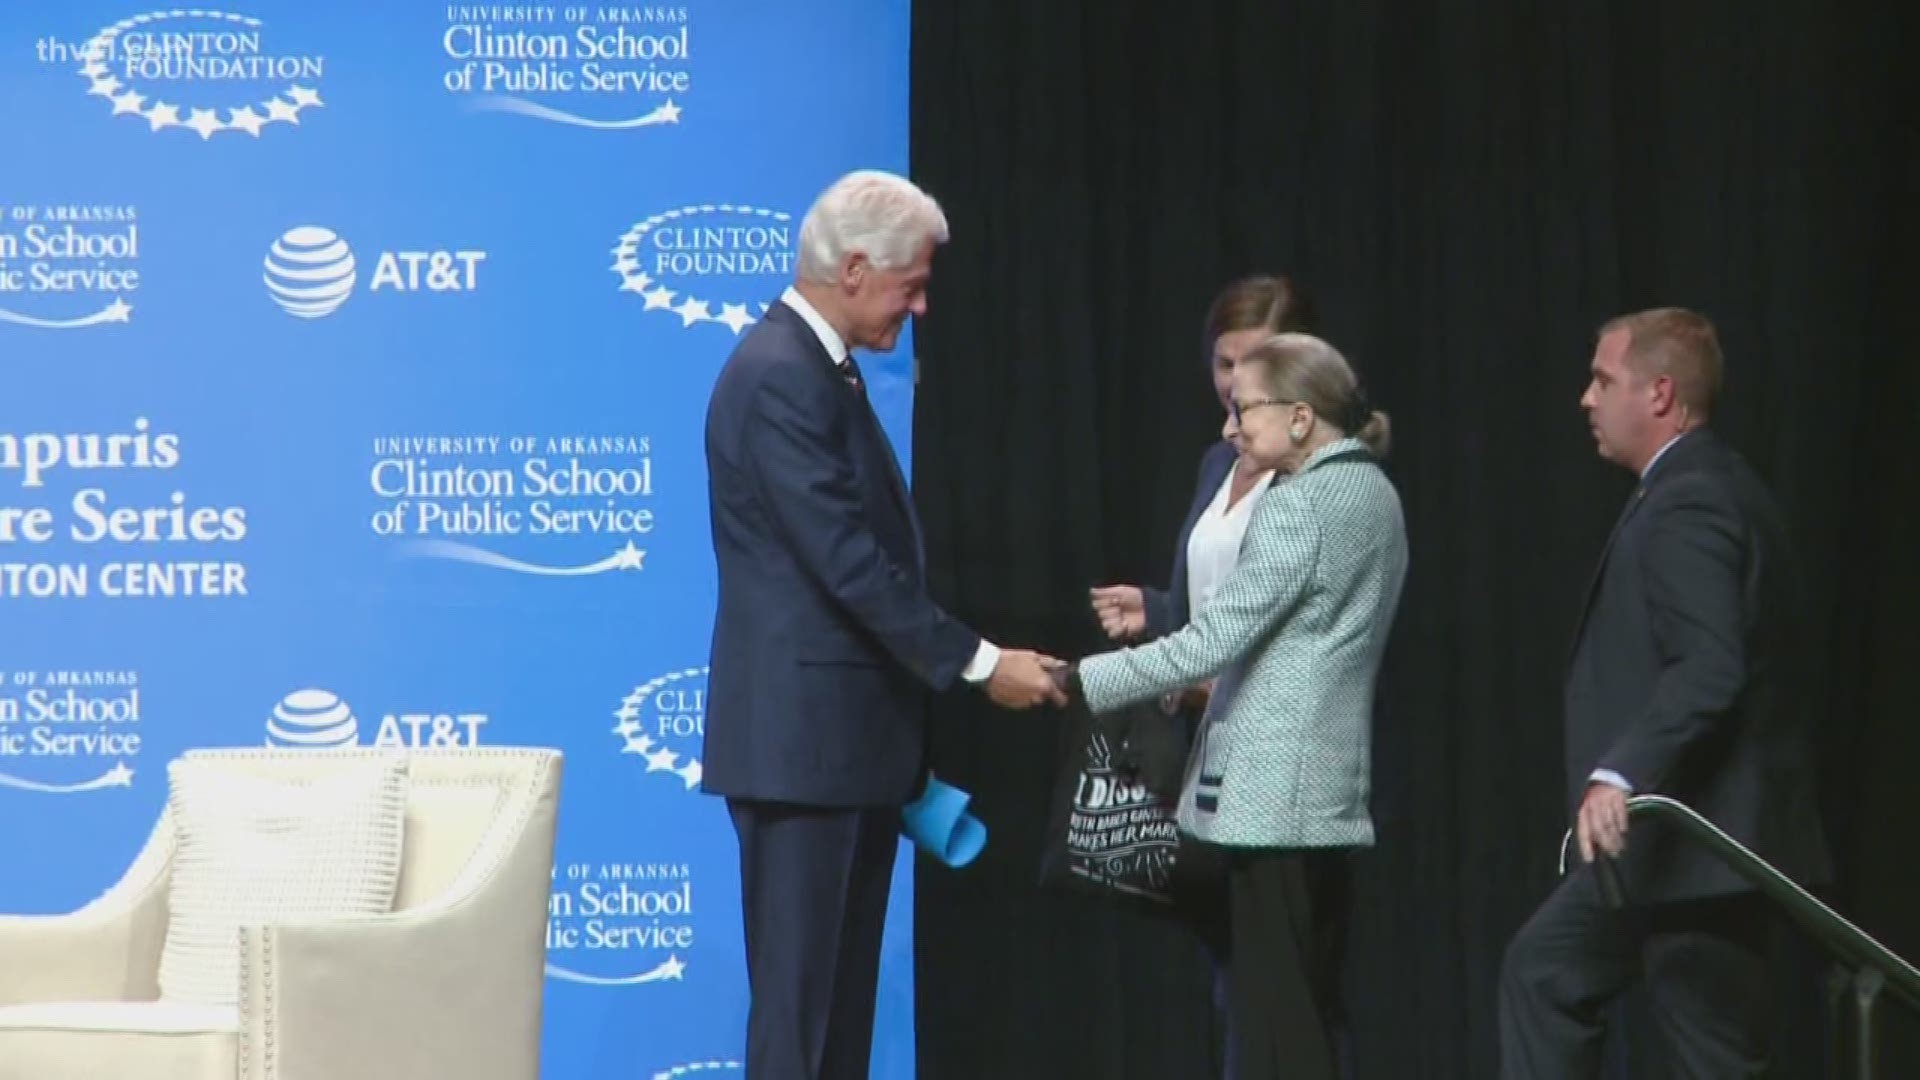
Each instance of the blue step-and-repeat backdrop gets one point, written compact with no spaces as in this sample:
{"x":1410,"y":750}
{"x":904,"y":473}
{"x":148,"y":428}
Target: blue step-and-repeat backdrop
{"x":353,"y":365}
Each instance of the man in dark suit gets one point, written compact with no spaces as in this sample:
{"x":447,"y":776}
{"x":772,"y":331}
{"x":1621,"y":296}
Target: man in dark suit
{"x":826,"y":645}
{"x":1686,"y":680}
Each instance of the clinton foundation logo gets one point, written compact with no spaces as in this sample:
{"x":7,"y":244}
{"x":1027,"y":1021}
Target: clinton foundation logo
{"x":68,"y":732}
{"x":711,"y":263}
{"x":207,"y":72}
{"x":662,"y":723}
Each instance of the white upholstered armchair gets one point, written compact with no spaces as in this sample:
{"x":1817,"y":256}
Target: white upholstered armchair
{"x":444,"y":980}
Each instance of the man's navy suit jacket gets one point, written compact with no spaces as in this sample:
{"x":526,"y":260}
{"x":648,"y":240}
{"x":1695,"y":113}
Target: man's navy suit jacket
{"x":826,"y":644}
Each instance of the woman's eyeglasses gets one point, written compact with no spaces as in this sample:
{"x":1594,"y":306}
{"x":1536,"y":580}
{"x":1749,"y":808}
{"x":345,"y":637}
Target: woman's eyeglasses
{"x":1241,"y":408}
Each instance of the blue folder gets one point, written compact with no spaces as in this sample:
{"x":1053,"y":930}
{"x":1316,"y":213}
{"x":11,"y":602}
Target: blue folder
{"x":938,"y":824}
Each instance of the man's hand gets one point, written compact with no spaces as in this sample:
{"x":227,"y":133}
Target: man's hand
{"x":1023,"y":679}
{"x":1602,"y":825}
{"x":1122,"y":610}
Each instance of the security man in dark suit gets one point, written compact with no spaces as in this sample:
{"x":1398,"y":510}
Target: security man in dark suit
{"x":1687,"y":680}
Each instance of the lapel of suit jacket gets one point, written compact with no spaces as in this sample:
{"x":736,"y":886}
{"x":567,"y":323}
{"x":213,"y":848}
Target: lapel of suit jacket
{"x":876,"y":436}
{"x":898,"y":480}
{"x":1600,"y":568}
{"x":1669,"y":463}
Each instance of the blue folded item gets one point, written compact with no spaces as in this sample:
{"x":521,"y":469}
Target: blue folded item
{"x":938,"y":824}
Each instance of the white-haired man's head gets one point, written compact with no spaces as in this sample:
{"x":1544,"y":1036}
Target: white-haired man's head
{"x":866,"y":253}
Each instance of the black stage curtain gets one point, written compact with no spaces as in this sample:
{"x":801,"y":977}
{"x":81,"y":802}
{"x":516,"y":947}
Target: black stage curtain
{"x":1470,"y":190}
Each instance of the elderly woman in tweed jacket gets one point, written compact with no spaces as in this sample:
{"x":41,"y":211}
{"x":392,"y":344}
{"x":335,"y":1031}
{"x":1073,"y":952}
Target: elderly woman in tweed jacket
{"x":1278,"y":778}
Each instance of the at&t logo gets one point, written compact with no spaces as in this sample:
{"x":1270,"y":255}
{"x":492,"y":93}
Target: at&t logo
{"x":310,"y":271}
{"x":315,"y":719}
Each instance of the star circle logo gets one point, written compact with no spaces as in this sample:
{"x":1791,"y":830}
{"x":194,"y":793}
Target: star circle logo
{"x":198,"y":51}
{"x":662,"y":719}
{"x":689,"y":260}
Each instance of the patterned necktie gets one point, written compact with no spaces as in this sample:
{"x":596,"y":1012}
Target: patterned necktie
{"x":850,"y":371}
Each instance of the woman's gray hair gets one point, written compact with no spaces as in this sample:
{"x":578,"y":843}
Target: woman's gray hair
{"x":1303,"y":368}
{"x":884,"y":216}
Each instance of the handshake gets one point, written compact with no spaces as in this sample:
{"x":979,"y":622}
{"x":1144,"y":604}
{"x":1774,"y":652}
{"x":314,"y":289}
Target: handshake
{"x":1023,"y":679}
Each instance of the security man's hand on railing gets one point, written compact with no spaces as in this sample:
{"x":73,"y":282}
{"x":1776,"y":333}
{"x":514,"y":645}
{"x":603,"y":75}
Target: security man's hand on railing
{"x":1601,"y":820}
{"x":1602,"y":823}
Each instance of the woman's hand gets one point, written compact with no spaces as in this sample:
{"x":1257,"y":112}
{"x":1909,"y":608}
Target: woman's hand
{"x":1122,"y":610}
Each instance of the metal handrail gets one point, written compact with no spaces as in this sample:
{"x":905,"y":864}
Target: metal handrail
{"x":1853,"y":946}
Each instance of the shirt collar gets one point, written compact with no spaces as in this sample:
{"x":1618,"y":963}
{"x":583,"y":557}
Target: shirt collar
{"x":1644,"y":473}
{"x":822,"y":329}
{"x":1337,"y":447}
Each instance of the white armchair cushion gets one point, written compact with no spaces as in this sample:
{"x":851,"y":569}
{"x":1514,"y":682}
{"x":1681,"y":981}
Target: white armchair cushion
{"x":128,"y":1017}
{"x":89,"y":1040}
{"x":253,"y":850}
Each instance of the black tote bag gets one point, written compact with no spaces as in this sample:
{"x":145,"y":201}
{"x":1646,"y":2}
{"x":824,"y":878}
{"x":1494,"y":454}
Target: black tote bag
{"x":1111,"y":824}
